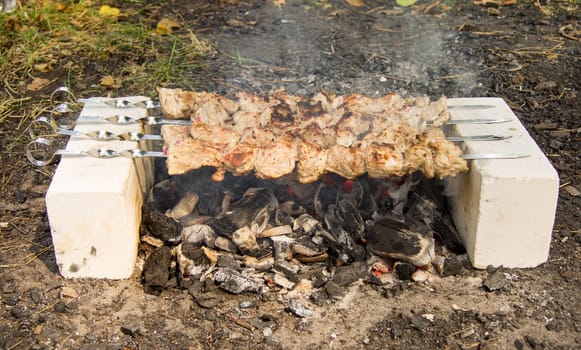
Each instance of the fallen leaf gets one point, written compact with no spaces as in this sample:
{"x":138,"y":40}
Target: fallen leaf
{"x":234,"y":23}
{"x":37,"y":84}
{"x":494,"y":2}
{"x":61,"y":7}
{"x":109,"y":11}
{"x":109,"y":81}
{"x":405,"y":3}
{"x":572,"y":190}
{"x":166,"y":26}
{"x":356,"y":3}
{"x":42,"y":67}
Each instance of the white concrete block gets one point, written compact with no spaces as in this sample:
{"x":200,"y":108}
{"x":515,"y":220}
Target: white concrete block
{"x":503,"y":208}
{"x":94,"y":205}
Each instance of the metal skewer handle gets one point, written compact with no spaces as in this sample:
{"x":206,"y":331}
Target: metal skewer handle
{"x":40,"y":152}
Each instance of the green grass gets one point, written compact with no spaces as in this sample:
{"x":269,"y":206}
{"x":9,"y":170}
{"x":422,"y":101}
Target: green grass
{"x":72,"y":43}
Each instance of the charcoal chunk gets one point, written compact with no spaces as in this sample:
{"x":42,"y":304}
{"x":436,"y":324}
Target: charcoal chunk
{"x":404,"y":271}
{"x":161,"y":226}
{"x":496,"y":280}
{"x":236,"y":282}
{"x":345,"y":275}
{"x":299,"y":309}
{"x":156,"y":270}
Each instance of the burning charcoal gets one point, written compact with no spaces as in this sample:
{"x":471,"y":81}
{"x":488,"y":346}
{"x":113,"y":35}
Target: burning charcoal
{"x":161,"y":226}
{"x":292,"y":208}
{"x":325,"y":196}
{"x":421,"y":275}
{"x":163,"y":196}
{"x":393,"y":239}
{"x":254,"y":210}
{"x":228,"y":261}
{"x":363,"y":199}
{"x":317,"y":240}
{"x":320,"y":278}
{"x":345,"y":275}
{"x":246,"y":241}
{"x":282,"y":247}
{"x":192,"y":261}
{"x":259,"y":265}
{"x":225,"y":244}
{"x":198,"y":234}
{"x":185,"y":206}
{"x":404,"y":271}
{"x":334,"y":291}
{"x":212,"y":255}
{"x":433,"y":211}
{"x":237,"y":282}
{"x":275,"y":231}
{"x":156,"y":270}
{"x":299,"y":309}
{"x":266,"y":250}
{"x":452,"y":267}
{"x":398,"y":189}
{"x":280,"y":218}
{"x":306,"y":223}
{"x":346,"y":225}
{"x":152,"y":241}
{"x":287,"y":269}
{"x":351,"y":219}
{"x":312,"y":259}
{"x":306,"y":247}
{"x":280,"y":280}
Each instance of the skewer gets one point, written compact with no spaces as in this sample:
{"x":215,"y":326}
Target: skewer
{"x":103,"y":135}
{"x":44,"y":145}
{"x":471,"y":107}
{"x":153,"y":120}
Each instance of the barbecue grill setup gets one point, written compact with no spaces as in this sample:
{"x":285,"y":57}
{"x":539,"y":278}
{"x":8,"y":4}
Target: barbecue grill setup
{"x":324,"y":165}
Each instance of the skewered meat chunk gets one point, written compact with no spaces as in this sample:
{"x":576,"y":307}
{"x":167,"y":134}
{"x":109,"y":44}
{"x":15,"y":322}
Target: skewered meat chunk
{"x":312,"y":161}
{"x":348,"y":162}
{"x":180,"y":104}
{"x":447,"y":156}
{"x":277,"y":160}
{"x":219,"y":137}
{"x":385,"y":160}
{"x":190,"y":154}
{"x":240,"y":160}
{"x":175,"y":103}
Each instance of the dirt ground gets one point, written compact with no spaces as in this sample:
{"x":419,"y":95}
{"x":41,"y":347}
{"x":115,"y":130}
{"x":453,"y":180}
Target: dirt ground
{"x":527,"y":53}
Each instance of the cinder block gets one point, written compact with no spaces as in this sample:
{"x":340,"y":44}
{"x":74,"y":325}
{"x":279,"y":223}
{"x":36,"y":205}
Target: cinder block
{"x":503,"y":208}
{"x":94,"y":205}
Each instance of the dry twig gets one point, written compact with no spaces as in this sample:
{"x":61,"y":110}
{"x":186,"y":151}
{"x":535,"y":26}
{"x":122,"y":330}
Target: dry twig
{"x":570,"y":32}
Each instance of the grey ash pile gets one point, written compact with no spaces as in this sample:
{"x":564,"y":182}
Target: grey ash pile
{"x":250,"y":235}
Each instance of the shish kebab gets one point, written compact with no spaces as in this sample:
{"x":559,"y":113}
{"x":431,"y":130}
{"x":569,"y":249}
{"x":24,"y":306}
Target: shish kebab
{"x":355,"y":100}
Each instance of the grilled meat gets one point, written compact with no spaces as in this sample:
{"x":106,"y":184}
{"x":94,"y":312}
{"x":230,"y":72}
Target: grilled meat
{"x":348,"y":135}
